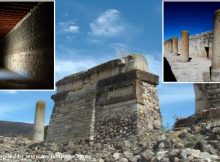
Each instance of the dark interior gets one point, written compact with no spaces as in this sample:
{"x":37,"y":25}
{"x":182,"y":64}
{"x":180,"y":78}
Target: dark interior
{"x":26,"y":45}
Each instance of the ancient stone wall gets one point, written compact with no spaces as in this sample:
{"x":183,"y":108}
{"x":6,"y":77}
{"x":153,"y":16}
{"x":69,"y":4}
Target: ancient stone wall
{"x":201,"y":98}
{"x":28,"y":49}
{"x":126,"y":104}
{"x":168,"y":45}
{"x":213,"y":94}
{"x":209,"y":100}
{"x":207,"y":108}
{"x":107,"y":101}
{"x":201,"y":44}
{"x":72,"y":115}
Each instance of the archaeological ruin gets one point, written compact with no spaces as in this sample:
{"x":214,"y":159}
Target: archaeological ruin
{"x":115,"y":99}
{"x":207,"y":106}
{"x":197,"y":58}
{"x":39,"y":122}
{"x":184,"y":46}
{"x":112,"y":112}
{"x":27,"y":45}
{"x":35,"y":132}
{"x":175,"y":45}
{"x":207,"y":99}
{"x":199,"y":45}
{"x":215,"y":69}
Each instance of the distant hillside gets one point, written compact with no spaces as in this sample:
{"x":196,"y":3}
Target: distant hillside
{"x":13,"y":129}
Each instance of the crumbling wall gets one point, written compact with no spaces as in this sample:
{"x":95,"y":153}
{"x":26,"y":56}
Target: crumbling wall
{"x":207,"y":107}
{"x":201,"y":44}
{"x":208,"y":100}
{"x":213,"y":94}
{"x":149,"y":116}
{"x":28,"y":49}
{"x":109,"y":100}
{"x":207,"y":96}
{"x":201,"y":98}
{"x":127,"y":104}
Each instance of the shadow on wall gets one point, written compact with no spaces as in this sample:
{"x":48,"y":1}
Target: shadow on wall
{"x":168,"y":74}
{"x":207,"y":51}
{"x":28,"y":48}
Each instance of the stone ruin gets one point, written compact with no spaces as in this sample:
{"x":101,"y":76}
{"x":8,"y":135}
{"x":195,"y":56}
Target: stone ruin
{"x":207,"y":106}
{"x":205,"y":45}
{"x":199,"y":45}
{"x":208,"y":100}
{"x":115,"y":99}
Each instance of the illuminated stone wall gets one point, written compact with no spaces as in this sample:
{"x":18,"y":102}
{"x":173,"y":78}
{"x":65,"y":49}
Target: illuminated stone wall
{"x":28,"y":49}
{"x":201,"y":44}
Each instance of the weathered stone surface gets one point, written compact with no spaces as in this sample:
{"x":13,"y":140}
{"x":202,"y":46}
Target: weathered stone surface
{"x":215,"y":71}
{"x":91,"y":105}
{"x":207,"y":111}
{"x":184,"y":46}
{"x":132,"y":149}
{"x":39,"y":122}
{"x":28,"y":49}
{"x":201,"y":44}
{"x":200,"y":97}
{"x":175,"y":45}
{"x":168,"y":46}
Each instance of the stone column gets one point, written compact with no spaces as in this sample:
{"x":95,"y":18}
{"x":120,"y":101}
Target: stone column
{"x":175,"y":45}
{"x":170,"y":45}
{"x":184,"y":45}
{"x":215,"y":72}
{"x":39,"y":122}
{"x":165,"y":46}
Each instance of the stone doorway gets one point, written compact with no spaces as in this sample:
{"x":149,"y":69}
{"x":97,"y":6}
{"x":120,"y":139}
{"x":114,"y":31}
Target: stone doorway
{"x":207,"y":52}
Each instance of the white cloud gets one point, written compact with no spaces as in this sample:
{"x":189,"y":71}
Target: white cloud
{"x":121,"y":49}
{"x":67,"y":27}
{"x":72,"y":29}
{"x":154,"y":64}
{"x":108,"y":24}
{"x":67,"y":67}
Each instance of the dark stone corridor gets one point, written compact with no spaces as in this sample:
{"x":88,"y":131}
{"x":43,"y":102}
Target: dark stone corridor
{"x":27,"y":45}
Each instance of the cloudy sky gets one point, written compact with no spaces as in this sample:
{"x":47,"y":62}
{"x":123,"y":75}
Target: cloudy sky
{"x":92,"y":32}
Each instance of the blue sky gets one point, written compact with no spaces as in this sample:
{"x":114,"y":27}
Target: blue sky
{"x":92,"y":32}
{"x":196,"y":17}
